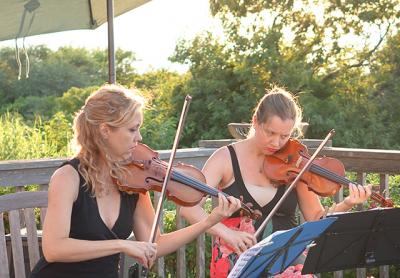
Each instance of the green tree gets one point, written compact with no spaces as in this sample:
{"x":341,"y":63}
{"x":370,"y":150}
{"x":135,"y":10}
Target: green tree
{"x":320,"y":50}
{"x":72,"y":100}
{"x":54,"y":72}
{"x":385,"y":84}
{"x":303,"y":44}
{"x":161,"y":115}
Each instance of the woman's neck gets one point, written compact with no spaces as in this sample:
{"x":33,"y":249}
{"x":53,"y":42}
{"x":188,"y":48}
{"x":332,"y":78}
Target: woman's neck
{"x":250,"y":147}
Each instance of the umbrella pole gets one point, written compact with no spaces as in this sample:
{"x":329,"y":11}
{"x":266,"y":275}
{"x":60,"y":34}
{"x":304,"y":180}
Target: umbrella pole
{"x":111,"y":51}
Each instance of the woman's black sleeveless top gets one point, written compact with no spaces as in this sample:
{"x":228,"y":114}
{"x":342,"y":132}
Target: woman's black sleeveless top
{"x":86,"y":224}
{"x":284,"y":218}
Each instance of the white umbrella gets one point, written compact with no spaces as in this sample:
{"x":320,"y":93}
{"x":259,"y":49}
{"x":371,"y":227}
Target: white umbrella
{"x":23,"y":18}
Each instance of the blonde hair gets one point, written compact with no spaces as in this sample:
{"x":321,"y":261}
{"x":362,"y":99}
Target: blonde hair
{"x":281,"y":103}
{"x":115,"y":106}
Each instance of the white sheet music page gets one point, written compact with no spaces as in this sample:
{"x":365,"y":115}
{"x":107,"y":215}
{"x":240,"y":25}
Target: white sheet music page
{"x":248,"y":254}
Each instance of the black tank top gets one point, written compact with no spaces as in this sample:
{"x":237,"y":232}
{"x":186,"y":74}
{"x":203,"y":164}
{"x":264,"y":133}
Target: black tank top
{"x":285,"y":216}
{"x":86,"y":224}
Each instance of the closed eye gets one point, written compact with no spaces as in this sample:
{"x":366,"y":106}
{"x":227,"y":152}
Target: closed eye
{"x":135,"y":128}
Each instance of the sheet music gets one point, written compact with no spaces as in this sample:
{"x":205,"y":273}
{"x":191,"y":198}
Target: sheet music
{"x":248,"y":254}
{"x":353,"y":212}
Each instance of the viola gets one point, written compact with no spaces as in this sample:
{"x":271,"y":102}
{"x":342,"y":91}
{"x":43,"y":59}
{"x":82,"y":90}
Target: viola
{"x":324,"y":176}
{"x":186,"y":187}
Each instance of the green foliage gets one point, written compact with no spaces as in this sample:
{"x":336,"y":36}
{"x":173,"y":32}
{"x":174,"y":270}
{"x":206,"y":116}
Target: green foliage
{"x":20,"y":141}
{"x":31,"y":106}
{"x":54,"y":72}
{"x":311,"y":49}
{"x":161,"y":115}
{"x":58,"y":132}
{"x":223,"y":91}
{"x":72,"y":100}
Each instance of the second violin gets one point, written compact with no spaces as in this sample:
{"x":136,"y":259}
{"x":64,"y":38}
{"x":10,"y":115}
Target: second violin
{"x":325,"y":175}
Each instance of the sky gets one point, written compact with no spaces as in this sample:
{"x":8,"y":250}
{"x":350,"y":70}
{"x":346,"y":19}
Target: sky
{"x":150,"y":31}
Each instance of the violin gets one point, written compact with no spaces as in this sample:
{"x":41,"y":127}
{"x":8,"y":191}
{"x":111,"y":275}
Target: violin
{"x":186,"y":187}
{"x":324,"y":176}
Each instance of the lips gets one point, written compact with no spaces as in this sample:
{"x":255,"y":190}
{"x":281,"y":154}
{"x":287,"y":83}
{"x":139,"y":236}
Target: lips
{"x":271,"y":150}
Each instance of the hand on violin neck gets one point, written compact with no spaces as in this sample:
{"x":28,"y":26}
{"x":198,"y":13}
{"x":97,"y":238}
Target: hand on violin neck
{"x":357,"y":195}
{"x":226,"y":207}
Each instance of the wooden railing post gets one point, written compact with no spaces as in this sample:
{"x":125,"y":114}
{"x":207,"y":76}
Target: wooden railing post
{"x":361,"y":179}
{"x":4,"y":263}
{"x":201,"y":257}
{"x":384,"y":190}
{"x":181,"y":253}
{"x":43,"y":187}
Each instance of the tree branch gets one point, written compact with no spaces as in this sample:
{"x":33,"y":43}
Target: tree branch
{"x":361,"y":63}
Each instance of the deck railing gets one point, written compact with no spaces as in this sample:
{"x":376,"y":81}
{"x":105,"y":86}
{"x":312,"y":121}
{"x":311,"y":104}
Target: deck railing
{"x":18,"y":174}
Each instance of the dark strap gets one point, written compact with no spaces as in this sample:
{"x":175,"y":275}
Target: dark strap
{"x":74,"y":162}
{"x":235,"y":166}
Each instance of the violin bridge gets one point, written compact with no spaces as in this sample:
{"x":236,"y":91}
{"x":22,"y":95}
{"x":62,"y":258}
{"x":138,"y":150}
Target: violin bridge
{"x":298,"y":162}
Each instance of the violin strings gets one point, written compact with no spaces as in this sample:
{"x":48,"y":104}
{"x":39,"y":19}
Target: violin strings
{"x":181,"y":177}
{"x":201,"y":186}
{"x":194,"y":183}
{"x":328,"y":174}
{"x":189,"y":180}
{"x":335,"y":177}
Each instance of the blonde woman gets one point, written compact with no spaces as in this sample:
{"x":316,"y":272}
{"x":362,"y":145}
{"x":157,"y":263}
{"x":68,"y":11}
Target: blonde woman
{"x":88,"y":219}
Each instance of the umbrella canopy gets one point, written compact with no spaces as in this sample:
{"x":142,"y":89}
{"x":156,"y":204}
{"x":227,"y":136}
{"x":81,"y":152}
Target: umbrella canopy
{"x":23,"y":18}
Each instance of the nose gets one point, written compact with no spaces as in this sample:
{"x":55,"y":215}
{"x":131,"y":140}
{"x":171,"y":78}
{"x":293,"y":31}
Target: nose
{"x":139,"y":137}
{"x":275,"y":141}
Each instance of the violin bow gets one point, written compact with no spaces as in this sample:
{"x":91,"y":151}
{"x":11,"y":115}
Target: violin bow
{"x":157,"y":217}
{"x":290,"y":188}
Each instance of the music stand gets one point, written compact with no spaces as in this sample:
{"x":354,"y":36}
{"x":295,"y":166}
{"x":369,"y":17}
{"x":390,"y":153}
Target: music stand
{"x":276,"y":252}
{"x":359,"y":239}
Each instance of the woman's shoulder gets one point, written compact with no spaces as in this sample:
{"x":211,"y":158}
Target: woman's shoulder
{"x":224,"y":154}
{"x":64,"y":179}
{"x":68,"y":169}
{"x":220,"y":154}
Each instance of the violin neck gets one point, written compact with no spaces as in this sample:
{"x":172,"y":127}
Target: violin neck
{"x":187,"y":180}
{"x":329,"y":175}
{"x":344,"y":181}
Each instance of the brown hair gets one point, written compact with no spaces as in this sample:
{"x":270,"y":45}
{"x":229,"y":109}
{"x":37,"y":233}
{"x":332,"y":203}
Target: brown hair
{"x":115,"y":106}
{"x":281,"y":103}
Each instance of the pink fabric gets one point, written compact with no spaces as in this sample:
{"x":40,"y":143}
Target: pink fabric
{"x":293,"y":272}
{"x":223,"y":257}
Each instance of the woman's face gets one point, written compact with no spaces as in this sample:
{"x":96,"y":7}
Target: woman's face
{"x":272,"y":135}
{"x":121,"y":141}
